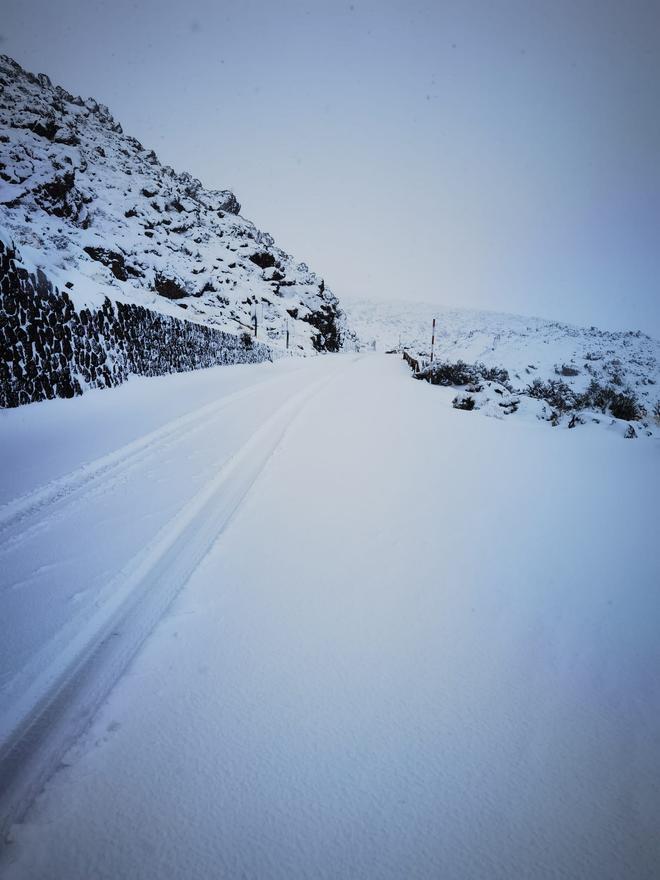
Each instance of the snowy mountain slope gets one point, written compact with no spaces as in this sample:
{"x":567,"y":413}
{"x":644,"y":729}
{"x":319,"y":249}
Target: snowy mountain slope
{"x":102,"y":217}
{"x":528,"y":349}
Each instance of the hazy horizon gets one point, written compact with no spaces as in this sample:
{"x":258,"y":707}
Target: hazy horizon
{"x":475,"y":155}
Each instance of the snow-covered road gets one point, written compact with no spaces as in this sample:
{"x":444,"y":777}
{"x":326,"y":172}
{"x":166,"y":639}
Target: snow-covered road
{"x":99,"y":551}
{"x":406,"y":641}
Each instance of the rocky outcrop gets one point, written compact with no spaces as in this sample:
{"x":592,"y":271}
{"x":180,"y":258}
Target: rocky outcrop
{"x":95,"y":203}
{"x":328,"y":337}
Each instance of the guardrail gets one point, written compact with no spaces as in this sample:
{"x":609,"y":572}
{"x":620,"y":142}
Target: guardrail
{"x":412,"y":362}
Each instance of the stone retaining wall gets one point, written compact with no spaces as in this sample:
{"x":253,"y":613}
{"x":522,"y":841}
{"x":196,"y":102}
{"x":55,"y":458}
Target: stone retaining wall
{"x":49,"y":349}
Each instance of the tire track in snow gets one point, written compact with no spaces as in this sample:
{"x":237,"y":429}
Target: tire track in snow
{"x":63,"y":686}
{"x":25,"y":516}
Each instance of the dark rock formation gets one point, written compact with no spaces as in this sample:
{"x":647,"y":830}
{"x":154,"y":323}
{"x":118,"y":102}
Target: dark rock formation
{"x":325,"y":321}
{"x":169,"y":288}
{"x":263,"y":259}
{"x":115,"y":262}
{"x":228,"y":202}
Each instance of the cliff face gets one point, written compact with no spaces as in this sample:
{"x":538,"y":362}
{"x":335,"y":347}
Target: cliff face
{"x":102,"y":218}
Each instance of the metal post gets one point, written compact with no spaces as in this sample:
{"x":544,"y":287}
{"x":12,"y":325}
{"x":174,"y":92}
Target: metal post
{"x":432,"y":340}
{"x":287,"y":332}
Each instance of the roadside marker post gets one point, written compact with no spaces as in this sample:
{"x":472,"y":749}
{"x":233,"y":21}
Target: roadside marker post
{"x":432,"y":340}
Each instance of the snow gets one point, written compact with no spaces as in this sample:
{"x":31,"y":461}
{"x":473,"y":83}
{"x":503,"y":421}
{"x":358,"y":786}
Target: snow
{"x":46,"y":441}
{"x":403,"y":642}
{"x":528,"y":348}
{"x":120,"y":514}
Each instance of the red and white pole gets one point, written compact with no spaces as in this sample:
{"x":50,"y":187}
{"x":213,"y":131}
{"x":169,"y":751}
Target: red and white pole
{"x":432,"y":340}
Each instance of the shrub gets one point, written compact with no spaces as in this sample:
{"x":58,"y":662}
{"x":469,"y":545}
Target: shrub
{"x":621,"y":404}
{"x":656,"y":411}
{"x":493,"y":374}
{"x":562,"y":398}
{"x":246,"y":339}
{"x":558,"y":394}
{"x":626,"y":406}
{"x":567,"y":370}
{"x":466,"y":402}
{"x":459,"y":373}
{"x":599,"y":396}
{"x":446,"y":373}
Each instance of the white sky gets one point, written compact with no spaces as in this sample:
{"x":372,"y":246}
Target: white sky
{"x":501,"y":155}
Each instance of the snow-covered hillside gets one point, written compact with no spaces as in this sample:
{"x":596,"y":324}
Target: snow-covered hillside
{"x":102,"y":217}
{"x":549,"y":363}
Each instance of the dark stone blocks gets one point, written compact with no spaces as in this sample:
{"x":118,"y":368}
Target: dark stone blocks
{"x":48,"y":349}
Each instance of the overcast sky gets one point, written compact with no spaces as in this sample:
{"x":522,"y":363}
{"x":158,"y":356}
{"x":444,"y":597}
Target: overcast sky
{"x":500,"y":155}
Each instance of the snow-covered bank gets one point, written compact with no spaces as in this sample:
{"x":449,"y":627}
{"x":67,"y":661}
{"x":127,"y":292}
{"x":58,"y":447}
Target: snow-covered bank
{"x":555,"y":371}
{"x":418,"y":650}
